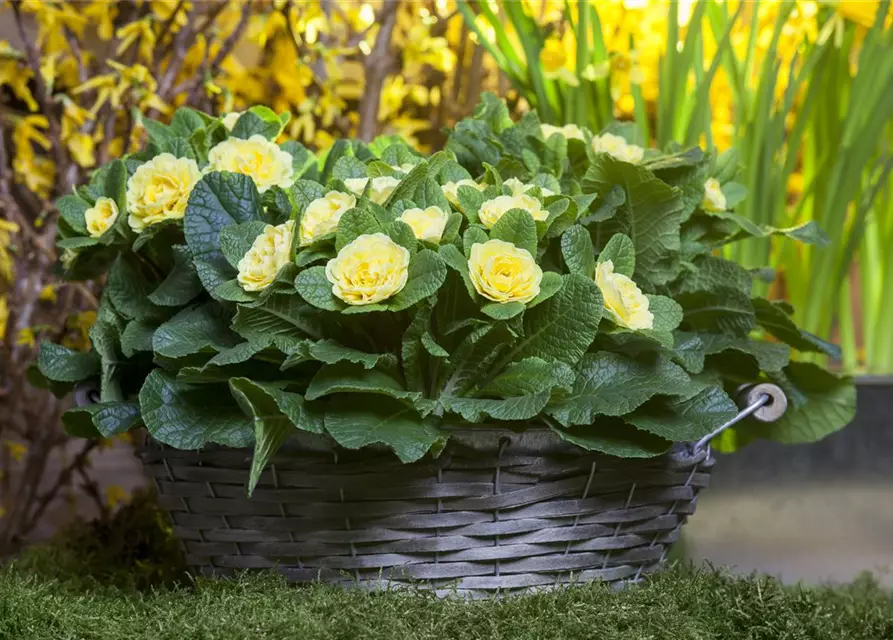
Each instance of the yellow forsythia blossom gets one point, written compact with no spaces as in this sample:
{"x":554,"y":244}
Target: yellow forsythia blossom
{"x":257,"y":157}
{"x":492,"y":210}
{"x":322,"y":215}
{"x":503,"y":273}
{"x":101,"y":216}
{"x":159,"y":190}
{"x":370,"y":269}
{"x":269,"y":252}
{"x":624,"y":301}
{"x":426,"y":224}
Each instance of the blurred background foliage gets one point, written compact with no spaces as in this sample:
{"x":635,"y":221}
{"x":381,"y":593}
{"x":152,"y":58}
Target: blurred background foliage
{"x":803,"y":91}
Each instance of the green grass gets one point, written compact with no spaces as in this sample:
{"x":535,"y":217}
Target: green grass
{"x":92,"y":587}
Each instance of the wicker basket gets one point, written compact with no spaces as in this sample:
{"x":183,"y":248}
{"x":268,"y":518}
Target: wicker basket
{"x":496,"y":511}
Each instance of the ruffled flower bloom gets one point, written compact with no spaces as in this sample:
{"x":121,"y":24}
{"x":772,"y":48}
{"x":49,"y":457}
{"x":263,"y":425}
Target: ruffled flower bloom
{"x":624,"y":301}
{"x":503,"y":273}
{"x":159,"y":190}
{"x":370,"y":269}
{"x":322,"y":215}
{"x":269,"y":252}
{"x":382,"y":187}
{"x":618,"y":148}
{"x":492,"y":210}
{"x":714,"y":200}
{"x":263,"y":161}
{"x":426,"y":224}
{"x":101,"y":216}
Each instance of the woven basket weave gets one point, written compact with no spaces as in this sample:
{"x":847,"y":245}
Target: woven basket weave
{"x":496,"y":511}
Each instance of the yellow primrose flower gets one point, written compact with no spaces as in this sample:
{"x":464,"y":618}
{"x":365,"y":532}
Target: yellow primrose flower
{"x":714,"y":200}
{"x":406,"y":167}
{"x":269,"y":252}
{"x":624,"y":301}
{"x":569,"y":131}
{"x":230,"y":119}
{"x":322,"y":215}
{"x":382,"y":187}
{"x":492,"y":210}
{"x":370,"y":269}
{"x":263,"y":161}
{"x":101,"y":216}
{"x":618,"y":148}
{"x":502,"y":272}
{"x":519,"y":188}
{"x":427,"y":224}
{"x":159,"y":190}
{"x":451,"y":189}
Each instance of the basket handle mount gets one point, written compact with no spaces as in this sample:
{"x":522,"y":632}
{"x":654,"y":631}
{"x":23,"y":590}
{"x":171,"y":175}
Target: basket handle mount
{"x":765,"y":402}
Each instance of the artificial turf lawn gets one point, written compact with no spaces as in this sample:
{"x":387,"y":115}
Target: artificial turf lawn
{"x":113,"y":580}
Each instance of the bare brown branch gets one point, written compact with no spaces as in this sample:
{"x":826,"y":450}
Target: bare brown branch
{"x":380,"y":62}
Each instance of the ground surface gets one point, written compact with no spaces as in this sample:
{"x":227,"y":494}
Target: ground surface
{"x":121,"y":579}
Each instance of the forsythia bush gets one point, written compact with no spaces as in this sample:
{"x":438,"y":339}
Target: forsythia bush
{"x":524,"y":276}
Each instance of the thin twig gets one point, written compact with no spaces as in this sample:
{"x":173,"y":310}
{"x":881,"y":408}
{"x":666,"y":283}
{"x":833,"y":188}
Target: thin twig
{"x":377,"y":65}
{"x":224,"y":50}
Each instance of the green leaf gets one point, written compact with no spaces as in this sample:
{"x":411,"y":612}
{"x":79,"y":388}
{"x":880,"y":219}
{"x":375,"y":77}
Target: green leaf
{"x":129,"y":289}
{"x":612,"y":384}
{"x":408,"y":185}
{"x":530,"y":376}
{"x":621,"y":252}
{"x":353,"y":224}
{"x":186,"y":121}
{"x":275,"y":413}
{"x":578,"y":252}
{"x":72,"y":209}
{"x":137,"y":336}
{"x":517,"y":227}
{"x":236,"y":240}
{"x":62,"y":364}
{"x":181,"y":285}
{"x":616,"y":438}
{"x":313,"y":286}
{"x":549,"y":286}
{"x":651,"y":216}
{"x":104,"y":419}
{"x":194,"y":330}
{"x":285,"y":317}
{"x":476,"y":410}
{"x":773,"y":319}
{"x":503,"y":310}
{"x":454,"y":259}
{"x":346,"y":377}
{"x":116,"y":189}
{"x":427,"y":273}
{"x":685,"y":420}
{"x":562,"y":328}
{"x":260,"y":120}
{"x":727,"y":311}
{"x":77,"y":242}
{"x":667,"y":314}
{"x":819,"y":404}
{"x":218,"y":200}
{"x":187,"y":416}
{"x":303,"y":192}
{"x":232,"y":291}
{"x":347,"y":167}
{"x":373,"y":419}
{"x":331,"y":352}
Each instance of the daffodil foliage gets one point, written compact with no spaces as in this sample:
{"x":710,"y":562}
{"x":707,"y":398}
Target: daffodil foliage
{"x":524,"y":276}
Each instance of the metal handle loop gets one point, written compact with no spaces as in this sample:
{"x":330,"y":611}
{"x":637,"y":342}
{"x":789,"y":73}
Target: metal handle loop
{"x":765,"y":402}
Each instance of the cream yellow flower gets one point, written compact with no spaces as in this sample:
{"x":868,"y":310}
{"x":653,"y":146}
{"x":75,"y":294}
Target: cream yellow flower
{"x":451,"y":189}
{"x":230,"y":119}
{"x":382,"y":187}
{"x":569,"y":131}
{"x":269,"y":252}
{"x":519,"y":188}
{"x":624,"y":301}
{"x":101,"y":216}
{"x":256,"y":157}
{"x":159,"y":190}
{"x":322,"y":215}
{"x":502,"y":272}
{"x":406,"y":167}
{"x":492,"y":210}
{"x":427,"y":224}
{"x":618,"y":148}
{"x":370,"y":269}
{"x":714,"y":200}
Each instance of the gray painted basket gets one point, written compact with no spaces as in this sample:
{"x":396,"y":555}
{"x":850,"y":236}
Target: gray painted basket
{"x":497,"y":511}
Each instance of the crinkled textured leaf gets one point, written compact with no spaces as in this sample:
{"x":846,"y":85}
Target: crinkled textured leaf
{"x":622,"y":254}
{"x":278,"y":317}
{"x":773,"y":319}
{"x":181,"y":285}
{"x":137,"y":336}
{"x":612,"y":384}
{"x":187,"y":416}
{"x":218,"y":200}
{"x":426,"y":275}
{"x":193,"y":330}
{"x":578,"y":252}
{"x":685,"y":420}
{"x":371,"y":419}
{"x":517,"y":227}
{"x":616,"y":438}
{"x":62,"y":364}
{"x":531,"y":375}
{"x":562,"y":328}
{"x":651,"y":216}
{"x":479,"y":409}
{"x":236,"y":240}
{"x":315,"y":288}
{"x":346,"y":377}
